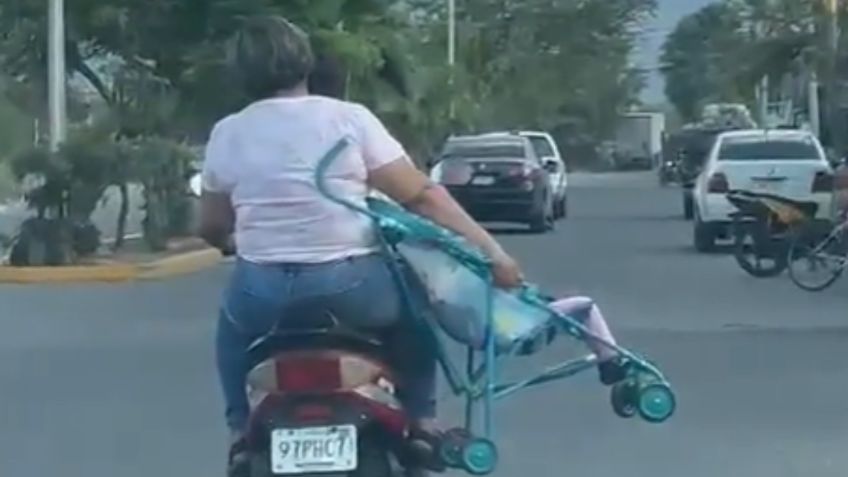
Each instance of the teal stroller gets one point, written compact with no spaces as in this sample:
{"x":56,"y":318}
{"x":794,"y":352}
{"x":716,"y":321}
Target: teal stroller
{"x":491,"y":324}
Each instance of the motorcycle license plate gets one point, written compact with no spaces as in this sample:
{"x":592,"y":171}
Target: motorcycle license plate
{"x":313,"y":450}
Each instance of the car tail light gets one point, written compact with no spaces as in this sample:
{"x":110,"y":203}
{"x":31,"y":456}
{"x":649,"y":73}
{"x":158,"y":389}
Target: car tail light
{"x":453,"y":173}
{"x":309,"y":373}
{"x":718,"y":184}
{"x":519,"y":170}
{"x":526,"y":174}
{"x":823,"y":182}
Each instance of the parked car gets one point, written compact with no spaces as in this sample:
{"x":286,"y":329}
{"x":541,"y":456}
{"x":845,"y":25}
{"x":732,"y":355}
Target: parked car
{"x":498,"y":177}
{"x":547,"y":150}
{"x":788,"y":163}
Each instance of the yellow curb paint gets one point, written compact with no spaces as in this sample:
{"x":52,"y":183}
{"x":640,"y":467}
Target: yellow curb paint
{"x":181,"y":264}
{"x":74,"y":274}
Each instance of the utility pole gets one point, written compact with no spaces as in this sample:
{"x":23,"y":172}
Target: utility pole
{"x":56,"y":72}
{"x":814,"y":109}
{"x":834,"y":107}
{"x":763,"y":113}
{"x":452,"y":54}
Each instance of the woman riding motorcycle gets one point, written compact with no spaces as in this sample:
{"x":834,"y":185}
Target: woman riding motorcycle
{"x":293,"y":245}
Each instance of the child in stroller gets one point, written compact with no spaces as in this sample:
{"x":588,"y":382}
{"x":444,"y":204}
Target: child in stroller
{"x":611,"y":367}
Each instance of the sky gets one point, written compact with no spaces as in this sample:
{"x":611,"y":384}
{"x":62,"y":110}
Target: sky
{"x":647,"y":55}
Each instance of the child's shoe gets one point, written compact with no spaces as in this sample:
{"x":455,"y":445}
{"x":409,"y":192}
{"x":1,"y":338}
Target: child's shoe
{"x":613,"y":371}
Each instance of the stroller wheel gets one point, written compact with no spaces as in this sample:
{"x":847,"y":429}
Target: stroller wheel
{"x":623,"y":399}
{"x":656,"y":402}
{"x":479,"y":456}
{"x":450,"y":449}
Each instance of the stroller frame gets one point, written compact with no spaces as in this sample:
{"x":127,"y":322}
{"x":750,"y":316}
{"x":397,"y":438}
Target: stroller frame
{"x":645,"y":391}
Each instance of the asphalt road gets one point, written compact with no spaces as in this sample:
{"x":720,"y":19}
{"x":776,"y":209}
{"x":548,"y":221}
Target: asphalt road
{"x":117,"y":381}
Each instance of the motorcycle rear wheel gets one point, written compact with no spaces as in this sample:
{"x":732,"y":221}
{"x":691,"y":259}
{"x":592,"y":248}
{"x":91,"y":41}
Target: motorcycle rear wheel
{"x":757,"y":252}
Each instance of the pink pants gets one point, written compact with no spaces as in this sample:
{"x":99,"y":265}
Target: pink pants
{"x":585,"y":310}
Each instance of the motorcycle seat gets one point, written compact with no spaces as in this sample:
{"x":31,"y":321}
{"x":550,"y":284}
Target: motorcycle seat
{"x":317,"y":339}
{"x":310,"y":325}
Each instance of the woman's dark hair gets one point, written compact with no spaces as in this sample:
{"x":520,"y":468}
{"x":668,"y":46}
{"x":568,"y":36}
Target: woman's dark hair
{"x":270,"y":54}
{"x":328,"y":77}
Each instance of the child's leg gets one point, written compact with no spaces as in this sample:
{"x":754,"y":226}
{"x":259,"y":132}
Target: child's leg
{"x":585,"y":310}
{"x":611,"y":370}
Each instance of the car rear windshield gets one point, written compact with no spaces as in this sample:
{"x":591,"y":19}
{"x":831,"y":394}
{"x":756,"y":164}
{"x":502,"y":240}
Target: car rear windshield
{"x":749,"y":149}
{"x":542,"y":146}
{"x":484,"y":151}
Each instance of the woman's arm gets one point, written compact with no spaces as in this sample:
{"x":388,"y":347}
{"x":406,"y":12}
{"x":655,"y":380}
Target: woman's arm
{"x":217,"y":221}
{"x":217,"y":215}
{"x":404,"y":183}
{"x":391,"y":172}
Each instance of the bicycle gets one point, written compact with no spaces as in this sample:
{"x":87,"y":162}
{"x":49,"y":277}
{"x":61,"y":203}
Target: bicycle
{"x":819,"y":248}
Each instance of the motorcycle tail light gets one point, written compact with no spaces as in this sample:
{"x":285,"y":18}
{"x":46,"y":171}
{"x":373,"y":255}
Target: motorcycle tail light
{"x":312,"y":412}
{"x":309,"y":373}
{"x":381,"y":403}
{"x":379,"y":393}
{"x":322,"y":371}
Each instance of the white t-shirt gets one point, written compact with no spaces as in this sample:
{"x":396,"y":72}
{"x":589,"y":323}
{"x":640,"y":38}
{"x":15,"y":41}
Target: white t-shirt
{"x":265,"y":158}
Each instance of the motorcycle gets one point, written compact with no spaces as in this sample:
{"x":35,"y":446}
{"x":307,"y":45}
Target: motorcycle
{"x":668,"y":173}
{"x":762,"y":228}
{"x":324,"y":400}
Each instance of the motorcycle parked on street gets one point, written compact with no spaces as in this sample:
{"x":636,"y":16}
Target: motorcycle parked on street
{"x":668,"y":173}
{"x":762,"y":230}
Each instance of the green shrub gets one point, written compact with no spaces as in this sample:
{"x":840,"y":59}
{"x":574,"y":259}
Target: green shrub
{"x":8,"y":185}
{"x":163,"y":167}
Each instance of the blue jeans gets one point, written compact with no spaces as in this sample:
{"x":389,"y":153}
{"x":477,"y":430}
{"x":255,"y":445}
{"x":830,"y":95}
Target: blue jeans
{"x":360,"y":291}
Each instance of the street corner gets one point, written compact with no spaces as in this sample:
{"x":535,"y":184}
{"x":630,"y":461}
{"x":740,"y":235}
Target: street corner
{"x":176,"y":265}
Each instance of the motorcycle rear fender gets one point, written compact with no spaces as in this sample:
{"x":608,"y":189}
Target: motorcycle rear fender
{"x":351,"y":371}
{"x":277,"y":411}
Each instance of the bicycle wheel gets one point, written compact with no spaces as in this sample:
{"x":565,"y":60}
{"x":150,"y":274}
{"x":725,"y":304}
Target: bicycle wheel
{"x":817,"y":257}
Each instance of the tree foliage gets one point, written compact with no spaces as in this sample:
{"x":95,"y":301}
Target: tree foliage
{"x":158,"y":68}
{"x":520,"y":62}
{"x":720,"y":52}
